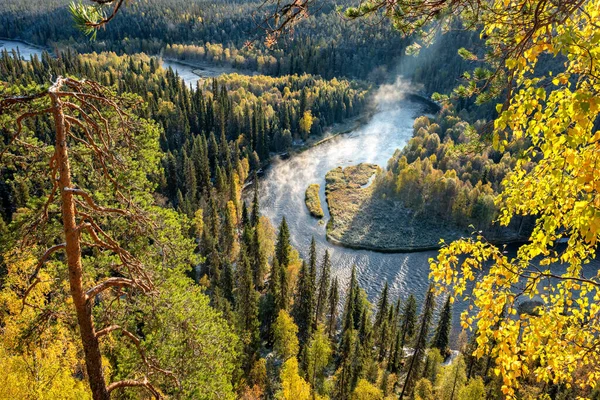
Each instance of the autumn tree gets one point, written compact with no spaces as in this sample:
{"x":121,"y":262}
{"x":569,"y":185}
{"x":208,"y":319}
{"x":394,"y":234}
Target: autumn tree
{"x":293,"y":386}
{"x":109,"y":242}
{"x":554,"y":110}
{"x":285,"y":333}
{"x":318,"y":357}
{"x":74,"y":107}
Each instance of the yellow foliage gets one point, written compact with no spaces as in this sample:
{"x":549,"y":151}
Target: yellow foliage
{"x":365,"y":390}
{"x":293,"y":387}
{"x":556,"y":114}
{"x":48,"y":367}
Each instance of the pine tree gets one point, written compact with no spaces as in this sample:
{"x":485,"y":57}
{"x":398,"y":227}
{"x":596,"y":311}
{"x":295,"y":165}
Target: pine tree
{"x":442,"y":332}
{"x":324,"y":283}
{"x":420,"y":343}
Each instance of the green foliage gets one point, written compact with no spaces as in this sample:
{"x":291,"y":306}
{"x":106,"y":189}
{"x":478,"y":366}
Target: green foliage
{"x":366,"y":391}
{"x":318,"y":355}
{"x":452,"y":380}
{"x":423,"y":390}
{"x":442,"y":332}
{"x":85,"y":16}
{"x":474,"y":390}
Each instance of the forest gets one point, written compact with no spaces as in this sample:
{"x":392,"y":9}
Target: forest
{"x":137,"y":260}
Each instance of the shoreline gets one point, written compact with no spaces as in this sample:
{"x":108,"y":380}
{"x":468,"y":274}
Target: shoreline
{"x":35,"y":46}
{"x":413,"y":249}
{"x":226,"y":70}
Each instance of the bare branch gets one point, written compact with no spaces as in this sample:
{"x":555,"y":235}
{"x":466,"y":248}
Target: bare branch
{"x":133,"y":383}
{"x":88,"y":199}
{"x":114,"y":282}
{"x":33,"y":278}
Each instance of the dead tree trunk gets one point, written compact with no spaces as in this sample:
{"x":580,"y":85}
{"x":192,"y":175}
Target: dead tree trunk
{"x":89,"y":340}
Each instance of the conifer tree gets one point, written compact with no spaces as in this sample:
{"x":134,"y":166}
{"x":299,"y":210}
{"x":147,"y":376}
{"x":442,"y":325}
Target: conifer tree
{"x":271,"y":302}
{"x":420,"y":343}
{"x":283,"y":299}
{"x":313,"y":265}
{"x":344,"y":373}
{"x":255,"y":215}
{"x":382,"y":307}
{"x":247,"y":313}
{"x":334,"y":299}
{"x":258,"y":260}
{"x":323,"y":288}
{"x":303,"y":310}
{"x":245,"y":217}
{"x":442,"y":332}
{"x":282,"y":247}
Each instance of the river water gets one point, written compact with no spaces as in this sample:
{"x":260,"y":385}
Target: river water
{"x":282,"y":194}
{"x":27,"y":51}
{"x":285,"y":181}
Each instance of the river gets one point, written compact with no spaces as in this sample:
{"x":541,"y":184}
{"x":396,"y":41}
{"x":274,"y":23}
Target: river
{"x":282,"y":194}
{"x":186,"y":72}
{"x":285,"y":181}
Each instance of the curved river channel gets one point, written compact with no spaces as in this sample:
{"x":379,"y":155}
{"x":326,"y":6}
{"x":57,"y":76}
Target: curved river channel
{"x":285,"y":181}
{"x":282,"y":194}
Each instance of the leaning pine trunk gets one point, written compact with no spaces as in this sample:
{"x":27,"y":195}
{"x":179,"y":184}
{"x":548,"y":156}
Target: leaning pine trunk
{"x":91,"y":346}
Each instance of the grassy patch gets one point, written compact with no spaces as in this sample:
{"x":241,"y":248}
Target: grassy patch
{"x":363,"y":217}
{"x":312,"y":200}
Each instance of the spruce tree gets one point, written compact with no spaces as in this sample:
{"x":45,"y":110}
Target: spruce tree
{"x":382,"y":307}
{"x":258,"y":260}
{"x":245,"y":218}
{"x":304,"y":305}
{"x":442,"y":332}
{"x":420,"y":343}
{"x":409,"y":320}
{"x":349,"y":316}
{"x":247,"y":313}
{"x":323,"y":288}
{"x":334,"y":298}
{"x":270,"y":304}
{"x":255,"y":215}
{"x":282,"y":247}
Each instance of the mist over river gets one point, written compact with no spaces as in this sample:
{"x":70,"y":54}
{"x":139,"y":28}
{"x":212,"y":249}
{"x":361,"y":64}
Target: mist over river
{"x":285,"y":182}
{"x":282,"y":194}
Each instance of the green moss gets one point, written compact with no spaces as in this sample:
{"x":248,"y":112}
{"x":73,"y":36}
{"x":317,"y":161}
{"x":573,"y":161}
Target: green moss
{"x":312,"y":200}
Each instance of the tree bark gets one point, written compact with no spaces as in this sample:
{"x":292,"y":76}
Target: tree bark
{"x":91,"y":346}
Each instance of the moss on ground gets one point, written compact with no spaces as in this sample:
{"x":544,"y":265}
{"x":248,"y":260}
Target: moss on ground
{"x":363,"y":217}
{"x":312,"y":200}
